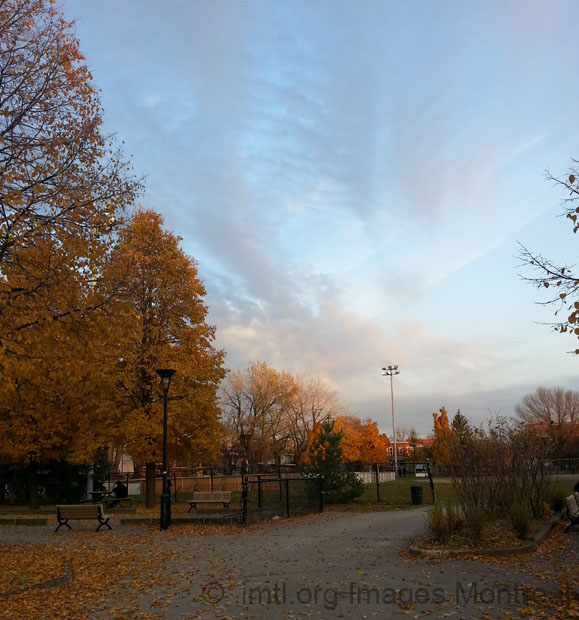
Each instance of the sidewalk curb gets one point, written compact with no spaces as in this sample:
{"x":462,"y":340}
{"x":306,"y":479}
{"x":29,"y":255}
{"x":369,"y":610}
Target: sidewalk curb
{"x":183,"y":520}
{"x":34,"y":521}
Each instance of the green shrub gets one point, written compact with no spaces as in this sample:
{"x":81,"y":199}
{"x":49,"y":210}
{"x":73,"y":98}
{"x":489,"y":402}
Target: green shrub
{"x":520,"y":515}
{"x":346,"y":487}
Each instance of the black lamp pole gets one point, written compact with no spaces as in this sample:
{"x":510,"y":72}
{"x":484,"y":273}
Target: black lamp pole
{"x":165,"y":374}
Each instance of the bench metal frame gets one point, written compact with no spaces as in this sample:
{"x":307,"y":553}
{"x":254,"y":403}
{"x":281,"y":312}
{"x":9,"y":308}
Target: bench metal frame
{"x":81,"y":512}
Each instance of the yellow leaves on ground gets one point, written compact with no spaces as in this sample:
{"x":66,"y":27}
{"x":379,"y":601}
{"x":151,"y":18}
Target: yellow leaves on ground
{"x":26,"y":566}
{"x":110,"y":570}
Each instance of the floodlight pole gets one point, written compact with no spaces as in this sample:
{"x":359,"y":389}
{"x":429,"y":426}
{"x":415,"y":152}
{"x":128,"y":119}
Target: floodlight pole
{"x":390,"y":371}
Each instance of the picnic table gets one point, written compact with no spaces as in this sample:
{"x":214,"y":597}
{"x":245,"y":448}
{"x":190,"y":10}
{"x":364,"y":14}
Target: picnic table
{"x":98,"y":496}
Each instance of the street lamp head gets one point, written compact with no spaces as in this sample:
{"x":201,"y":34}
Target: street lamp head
{"x":165,"y":374}
{"x":384,"y":372}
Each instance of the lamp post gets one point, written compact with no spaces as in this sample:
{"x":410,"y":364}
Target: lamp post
{"x":165,"y":374}
{"x":390,"y":371}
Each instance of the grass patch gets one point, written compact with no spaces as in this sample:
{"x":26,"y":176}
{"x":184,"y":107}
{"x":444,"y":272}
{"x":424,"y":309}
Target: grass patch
{"x":396,"y":495}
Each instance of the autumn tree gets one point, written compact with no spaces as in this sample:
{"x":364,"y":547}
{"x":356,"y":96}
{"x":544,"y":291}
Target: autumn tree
{"x":60,"y":406}
{"x":255,"y":404}
{"x":558,"y":278}
{"x":63,"y":184}
{"x":554,"y":411}
{"x":374,"y":443}
{"x":361,"y":440}
{"x":349,"y":428}
{"x":313,"y":401}
{"x":441,"y":448}
{"x":159,"y":321}
{"x":63,"y":189}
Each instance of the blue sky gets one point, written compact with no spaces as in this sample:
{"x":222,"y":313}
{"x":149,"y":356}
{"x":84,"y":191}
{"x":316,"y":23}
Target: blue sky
{"x":353,"y":178}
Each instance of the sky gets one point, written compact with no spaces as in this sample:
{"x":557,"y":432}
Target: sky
{"x":353,"y":179}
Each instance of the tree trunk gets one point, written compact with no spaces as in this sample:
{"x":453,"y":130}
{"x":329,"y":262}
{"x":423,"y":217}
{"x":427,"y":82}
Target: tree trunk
{"x":150,"y":485}
{"x":118,"y":455}
{"x":32,"y":484}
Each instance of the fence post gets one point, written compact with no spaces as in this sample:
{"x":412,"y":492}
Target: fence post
{"x":429,"y":472}
{"x":377,"y":484}
{"x":244,"y":501}
{"x":320,"y":480}
{"x":287,"y":504}
{"x":258,"y":491}
{"x":280,"y":489}
{"x":175,"y":484}
{"x":211,"y":474}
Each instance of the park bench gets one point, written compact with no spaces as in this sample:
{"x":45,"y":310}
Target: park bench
{"x":210,"y":497}
{"x":572,"y":510}
{"x":81,"y":512}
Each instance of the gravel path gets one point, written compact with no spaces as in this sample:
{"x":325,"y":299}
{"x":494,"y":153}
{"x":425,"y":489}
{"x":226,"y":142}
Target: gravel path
{"x":334,"y":565}
{"x":348,"y":565}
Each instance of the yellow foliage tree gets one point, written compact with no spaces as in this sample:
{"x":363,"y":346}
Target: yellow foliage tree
{"x":361,"y":440}
{"x":159,"y":321}
{"x":63,"y":189}
{"x":441,"y":447}
{"x":63,"y":184}
{"x":374,"y":444}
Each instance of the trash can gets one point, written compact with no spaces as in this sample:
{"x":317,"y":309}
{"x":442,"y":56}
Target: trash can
{"x":416,"y":494}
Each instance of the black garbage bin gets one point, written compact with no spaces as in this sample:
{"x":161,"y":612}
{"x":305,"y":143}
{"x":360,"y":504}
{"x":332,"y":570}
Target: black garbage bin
{"x":416,"y":494}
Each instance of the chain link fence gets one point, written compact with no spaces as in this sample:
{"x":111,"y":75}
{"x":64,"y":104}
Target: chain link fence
{"x":244,"y":499}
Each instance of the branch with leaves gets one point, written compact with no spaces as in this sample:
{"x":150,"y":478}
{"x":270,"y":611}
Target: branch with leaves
{"x":555,"y":275}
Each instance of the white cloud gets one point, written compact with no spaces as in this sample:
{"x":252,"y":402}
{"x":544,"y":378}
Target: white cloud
{"x":350,"y":178}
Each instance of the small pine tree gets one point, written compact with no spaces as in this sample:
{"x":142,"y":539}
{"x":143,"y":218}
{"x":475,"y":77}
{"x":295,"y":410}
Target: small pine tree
{"x":325,"y":455}
{"x":460,"y":425}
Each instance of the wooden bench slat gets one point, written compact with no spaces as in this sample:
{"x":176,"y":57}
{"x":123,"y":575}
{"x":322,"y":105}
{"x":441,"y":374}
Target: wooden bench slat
{"x":210,"y":497}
